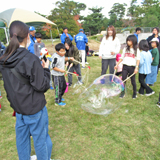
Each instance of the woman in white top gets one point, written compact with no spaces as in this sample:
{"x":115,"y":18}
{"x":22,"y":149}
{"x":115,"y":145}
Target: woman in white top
{"x":109,"y":47}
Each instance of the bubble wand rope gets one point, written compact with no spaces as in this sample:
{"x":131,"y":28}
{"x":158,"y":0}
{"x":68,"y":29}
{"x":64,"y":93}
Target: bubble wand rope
{"x":128,"y":77}
{"x":74,"y":74}
{"x":114,"y":75}
{"x":79,"y":62}
{"x":69,"y":68}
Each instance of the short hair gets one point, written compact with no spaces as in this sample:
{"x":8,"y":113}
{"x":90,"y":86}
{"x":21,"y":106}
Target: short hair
{"x":65,"y":28}
{"x":138,"y":29}
{"x":59,"y":46}
{"x":156,"y":29}
{"x":157,"y":43}
{"x":143,"y":45}
{"x":38,"y":35}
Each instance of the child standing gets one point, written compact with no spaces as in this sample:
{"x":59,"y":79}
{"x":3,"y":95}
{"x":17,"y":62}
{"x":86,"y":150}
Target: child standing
{"x":120,"y":66}
{"x":38,"y":45}
{"x":130,"y":59}
{"x":152,"y":77}
{"x":58,"y":65}
{"x":144,"y":67}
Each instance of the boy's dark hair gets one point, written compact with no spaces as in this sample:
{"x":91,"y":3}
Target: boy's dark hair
{"x":38,"y":35}
{"x":157,"y":43}
{"x":65,"y":28}
{"x":156,"y":29}
{"x":138,"y":29}
{"x":143,"y":45}
{"x":132,"y":38}
{"x":59,"y":46}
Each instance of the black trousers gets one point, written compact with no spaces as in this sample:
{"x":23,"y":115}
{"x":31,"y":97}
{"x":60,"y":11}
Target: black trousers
{"x":76,"y":68}
{"x":108,"y":62}
{"x":144,"y":85}
{"x":127,"y":71}
{"x":60,"y":87}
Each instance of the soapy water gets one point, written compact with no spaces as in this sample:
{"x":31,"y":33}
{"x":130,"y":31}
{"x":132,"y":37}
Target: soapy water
{"x":102,"y":96}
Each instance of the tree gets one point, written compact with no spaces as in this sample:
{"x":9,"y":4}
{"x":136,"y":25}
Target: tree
{"x":116,"y":14}
{"x":93,"y":22}
{"x":63,"y":15}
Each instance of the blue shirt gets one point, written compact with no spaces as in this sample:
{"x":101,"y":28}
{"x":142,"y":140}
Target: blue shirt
{"x":145,"y":62}
{"x":136,"y":36}
{"x":63,"y":37}
{"x":31,"y":46}
{"x":81,"y":40}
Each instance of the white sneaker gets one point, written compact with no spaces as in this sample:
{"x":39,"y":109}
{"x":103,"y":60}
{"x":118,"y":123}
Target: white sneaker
{"x":80,"y":82}
{"x":149,"y":94}
{"x":87,"y":63}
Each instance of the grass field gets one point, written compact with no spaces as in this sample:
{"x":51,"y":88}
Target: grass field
{"x":130,"y":133}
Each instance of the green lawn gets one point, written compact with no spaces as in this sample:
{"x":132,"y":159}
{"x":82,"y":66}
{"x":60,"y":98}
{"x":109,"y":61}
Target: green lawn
{"x":130,"y":133}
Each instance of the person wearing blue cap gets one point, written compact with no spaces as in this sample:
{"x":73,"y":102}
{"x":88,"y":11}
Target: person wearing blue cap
{"x":81,"y":40}
{"x":65,"y":35}
{"x":32,"y":39}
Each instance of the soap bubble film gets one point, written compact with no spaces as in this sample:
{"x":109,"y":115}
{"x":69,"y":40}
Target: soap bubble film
{"x":102,"y":96}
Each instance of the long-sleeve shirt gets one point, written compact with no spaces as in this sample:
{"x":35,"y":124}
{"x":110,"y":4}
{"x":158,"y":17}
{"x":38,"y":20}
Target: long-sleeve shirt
{"x":109,"y":45}
{"x":145,"y":62}
{"x":63,"y":37}
{"x":129,"y":58}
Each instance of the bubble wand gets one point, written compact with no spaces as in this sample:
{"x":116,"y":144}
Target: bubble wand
{"x":113,"y":75}
{"x":129,"y":77}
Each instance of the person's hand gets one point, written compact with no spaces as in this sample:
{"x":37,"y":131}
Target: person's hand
{"x":115,"y":67}
{"x":71,"y":58}
{"x":67,"y":35}
{"x":45,"y":64}
{"x":100,"y":57}
{"x":136,"y":70}
{"x":63,"y":71}
{"x":112,"y":53}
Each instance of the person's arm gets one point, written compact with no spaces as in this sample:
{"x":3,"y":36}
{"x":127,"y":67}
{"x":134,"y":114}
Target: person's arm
{"x":137,"y":62}
{"x":116,"y":66}
{"x":70,"y":37}
{"x":85,"y":39}
{"x":54,"y":65}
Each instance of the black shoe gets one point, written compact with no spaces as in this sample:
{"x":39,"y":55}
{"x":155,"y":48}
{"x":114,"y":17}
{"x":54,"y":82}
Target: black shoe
{"x":151,"y":84}
{"x":134,"y":96}
{"x":70,"y":85}
{"x":122,"y":94}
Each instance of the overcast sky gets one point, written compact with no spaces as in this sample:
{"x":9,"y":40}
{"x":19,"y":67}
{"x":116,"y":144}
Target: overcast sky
{"x":45,"y":6}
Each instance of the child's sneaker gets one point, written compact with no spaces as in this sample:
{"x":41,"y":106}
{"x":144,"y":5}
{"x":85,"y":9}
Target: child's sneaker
{"x":60,"y":104}
{"x":158,"y":104}
{"x":122,"y":94}
{"x":62,"y":99}
{"x":0,"y":97}
{"x":80,"y":82}
{"x":134,"y":96}
{"x":149,"y":94}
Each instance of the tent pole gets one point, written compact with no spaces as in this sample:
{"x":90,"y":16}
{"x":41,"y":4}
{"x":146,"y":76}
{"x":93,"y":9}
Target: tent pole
{"x":6,"y":35}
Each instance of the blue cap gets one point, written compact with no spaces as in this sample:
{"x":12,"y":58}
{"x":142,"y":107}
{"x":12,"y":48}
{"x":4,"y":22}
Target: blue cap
{"x":81,"y":30}
{"x":31,"y":28}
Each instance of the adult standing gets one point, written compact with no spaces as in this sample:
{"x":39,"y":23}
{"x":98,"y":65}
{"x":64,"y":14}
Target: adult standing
{"x":138,"y":31}
{"x":32,"y":39}
{"x":65,"y":34}
{"x":155,"y":32}
{"x":26,"y":81}
{"x":81,"y":40}
{"x":109,"y":48}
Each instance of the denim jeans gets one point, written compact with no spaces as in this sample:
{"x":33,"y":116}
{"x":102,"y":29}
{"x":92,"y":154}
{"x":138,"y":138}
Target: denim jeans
{"x":36,"y":126}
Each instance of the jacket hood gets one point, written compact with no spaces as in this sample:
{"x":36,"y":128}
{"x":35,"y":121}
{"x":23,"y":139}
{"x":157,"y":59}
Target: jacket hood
{"x":14,"y":59}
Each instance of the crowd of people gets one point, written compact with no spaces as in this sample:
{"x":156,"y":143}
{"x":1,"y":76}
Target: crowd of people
{"x":142,"y":57}
{"x":25,"y":65}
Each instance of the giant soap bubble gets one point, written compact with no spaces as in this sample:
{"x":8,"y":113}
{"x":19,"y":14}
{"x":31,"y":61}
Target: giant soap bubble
{"x":102,"y":96}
